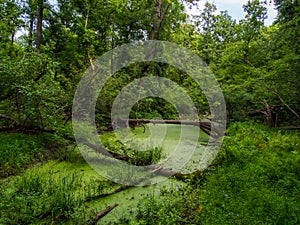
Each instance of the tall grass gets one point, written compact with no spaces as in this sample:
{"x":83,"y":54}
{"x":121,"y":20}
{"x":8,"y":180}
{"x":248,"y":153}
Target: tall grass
{"x":42,"y":196}
{"x":254,"y":180}
{"x":19,"y":151}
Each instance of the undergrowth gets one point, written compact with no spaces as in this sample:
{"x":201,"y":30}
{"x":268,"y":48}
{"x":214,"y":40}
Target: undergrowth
{"x":19,"y":151}
{"x":254,"y":180}
{"x":45,"y":196}
{"x":138,"y":157}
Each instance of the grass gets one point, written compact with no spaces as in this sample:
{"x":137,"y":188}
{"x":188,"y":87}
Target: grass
{"x":16,"y":151}
{"x":257,"y":181}
{"x":20,"y":151}
{"x":61,"y":191}
{"x":52,"y":193}
{"x":254,"y":180}
{"x":37,"y":195}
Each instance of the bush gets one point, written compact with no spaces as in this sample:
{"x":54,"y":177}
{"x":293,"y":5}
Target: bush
{"x":258,"y":180}
{"x":19,"y":151}
{"x":42,"y":196}
{"x":254,"y":180}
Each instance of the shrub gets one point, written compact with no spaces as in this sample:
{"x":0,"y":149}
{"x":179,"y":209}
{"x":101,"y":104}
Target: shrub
{"x":254,"y":180}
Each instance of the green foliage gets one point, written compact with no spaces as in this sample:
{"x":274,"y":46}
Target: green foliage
{"x":175,"y":205}
{"x":249,"y":59}
{"x":151,"y":156}
{"x":10,"y":22}
{"x":18,"y":151}
{"x":258,"y":179}
{"x":254,"y":180}
{"x":287,"y":10}
{"x":31,"y":97}
{"x":136,"y":152}
{"x":44,"y":195}
{"x":178,"y":207}
{"x":251,"y":80}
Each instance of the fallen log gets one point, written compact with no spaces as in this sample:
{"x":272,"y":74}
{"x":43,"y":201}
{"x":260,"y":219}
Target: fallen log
{"x":291,"y":128}
{"x":26,"y":129}
{"x":103,"y":213}
{"x":204,"y":126}
{"x":153,"y":169}
{"x":122,"y":188}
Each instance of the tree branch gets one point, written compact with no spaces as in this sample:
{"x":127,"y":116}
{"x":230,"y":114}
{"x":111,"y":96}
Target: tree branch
{"x":157,"y":22}
{"x":9,"y":118}
{"x":286,"y":105}
{"x":103,"y":213}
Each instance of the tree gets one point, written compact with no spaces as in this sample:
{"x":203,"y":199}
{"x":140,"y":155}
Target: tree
{"x":287,"y":9}
{"x":205,"y":24}
{"x":10,"y":23}
{"x":250,"y":27}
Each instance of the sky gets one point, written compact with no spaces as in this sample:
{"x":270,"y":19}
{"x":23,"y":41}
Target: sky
{"x":235,"y":9}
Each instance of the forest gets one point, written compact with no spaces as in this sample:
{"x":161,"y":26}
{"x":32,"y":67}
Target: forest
{"x":48,"y":170}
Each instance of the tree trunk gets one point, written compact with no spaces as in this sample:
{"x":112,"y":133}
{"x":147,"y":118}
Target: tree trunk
{"x":158,"y":18}
{"x":204,"y":126}
{"x":268,"y":113}
{"x":31,"y":29}
{"x":13,"y":37}
{"x":39,"y":26}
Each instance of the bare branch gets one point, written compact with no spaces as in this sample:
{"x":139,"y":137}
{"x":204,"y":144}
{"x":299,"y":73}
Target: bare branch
{"x":9,"y":118}
{"x":104,"y":212}
{"x":286,"y":105}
